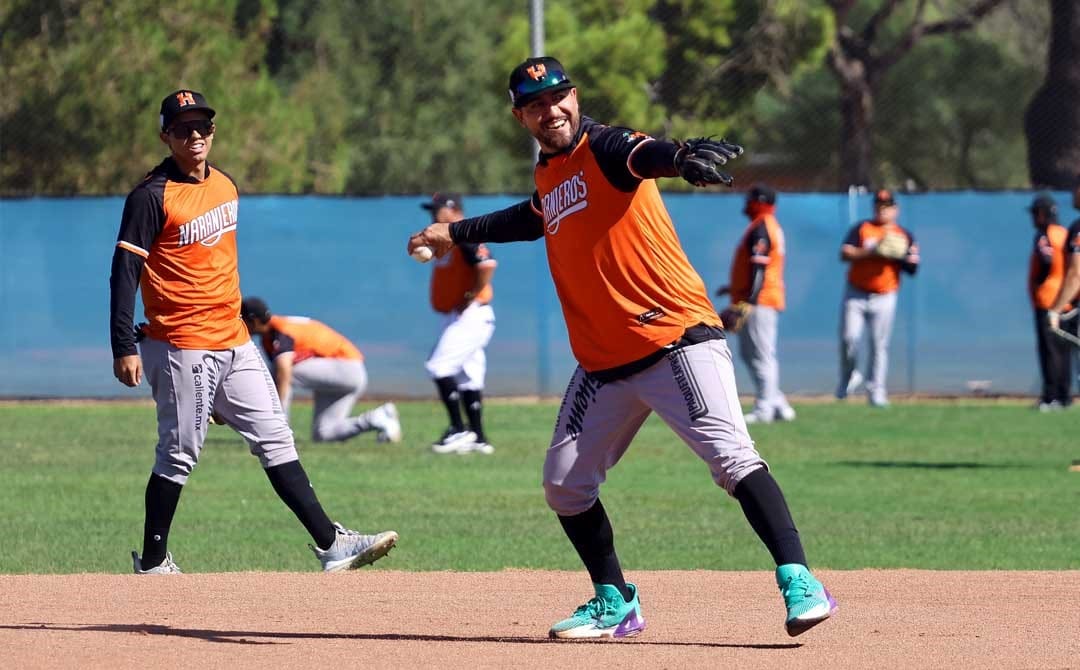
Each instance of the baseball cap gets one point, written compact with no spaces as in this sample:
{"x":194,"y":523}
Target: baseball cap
{"x":440,"y":200}
{"x":534,"y":76}
{"x":884,"y":198}
{"x":253,"y":307}
{"x":184,"y":100}
{"x":761,"y":193}
{"x":1045,"y":202}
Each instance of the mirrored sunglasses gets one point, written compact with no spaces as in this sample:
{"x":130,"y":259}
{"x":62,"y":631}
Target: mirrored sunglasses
{"x":183,"y":130}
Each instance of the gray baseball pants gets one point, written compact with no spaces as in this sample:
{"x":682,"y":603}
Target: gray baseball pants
{"x":691,"y":389}
{"x":188,"y":385}
{"x":757,"y":348}
{"x":861,"y":308}
{"x":336,"y":384}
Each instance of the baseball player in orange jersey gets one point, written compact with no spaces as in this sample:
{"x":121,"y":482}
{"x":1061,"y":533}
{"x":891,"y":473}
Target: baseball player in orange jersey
{"x":644,"y":333}
{"x":757,"y":283}
{"x":1046,"y":276}
{"x":878,"y":250}
{"x":178,"y":242}
{"x":322,"y":360}
{"x":1070,"y":286}
{"x":461,"y":292}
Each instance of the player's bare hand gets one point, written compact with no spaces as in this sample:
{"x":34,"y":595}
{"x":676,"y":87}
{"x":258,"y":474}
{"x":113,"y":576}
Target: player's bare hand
{"x":436,"y":236}
{"x":128,"y":370}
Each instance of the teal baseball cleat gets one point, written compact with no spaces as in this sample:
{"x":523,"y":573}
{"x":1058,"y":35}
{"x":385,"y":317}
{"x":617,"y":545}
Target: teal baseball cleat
{"x":808,"y":602}
{"x":605,"y":615}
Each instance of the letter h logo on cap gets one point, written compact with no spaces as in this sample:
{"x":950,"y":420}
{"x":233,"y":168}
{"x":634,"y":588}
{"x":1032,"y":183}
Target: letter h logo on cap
{"x":185,"y":98}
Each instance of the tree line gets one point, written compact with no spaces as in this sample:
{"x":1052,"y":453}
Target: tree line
{"x":375,"y":97}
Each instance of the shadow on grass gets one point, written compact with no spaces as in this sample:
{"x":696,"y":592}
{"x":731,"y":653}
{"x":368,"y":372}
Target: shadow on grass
{"x":242,"y":637}
{"x":926,"y":465}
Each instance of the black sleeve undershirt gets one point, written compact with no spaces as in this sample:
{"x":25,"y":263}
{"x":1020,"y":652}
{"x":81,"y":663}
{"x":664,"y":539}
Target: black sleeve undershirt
{"x":517,"y":223}
{"x":140,"y":224}
{"x":655,"y":159}
{"x":123,"y":283}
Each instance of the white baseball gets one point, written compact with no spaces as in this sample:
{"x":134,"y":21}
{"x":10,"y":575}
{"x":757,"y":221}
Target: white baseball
{"x":423,"y":254}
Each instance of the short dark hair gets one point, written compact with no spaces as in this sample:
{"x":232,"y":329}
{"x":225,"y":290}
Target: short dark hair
{"x":254,"y":309}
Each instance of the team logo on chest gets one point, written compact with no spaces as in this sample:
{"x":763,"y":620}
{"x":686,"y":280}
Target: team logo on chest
{"x":207,"y":229}
{"x":567,"y":198}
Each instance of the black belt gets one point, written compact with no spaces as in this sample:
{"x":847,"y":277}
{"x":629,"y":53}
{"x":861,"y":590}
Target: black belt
{"x":693,"y":335}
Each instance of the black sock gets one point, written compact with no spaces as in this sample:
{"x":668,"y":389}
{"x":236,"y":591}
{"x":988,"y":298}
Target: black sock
{"x":590,"y":533}
{"x":474,"y":405}
{"x":294,"y":488}
{"x":765,"y":508}
{"x":162,"y":496}
{"x":449,"y":394}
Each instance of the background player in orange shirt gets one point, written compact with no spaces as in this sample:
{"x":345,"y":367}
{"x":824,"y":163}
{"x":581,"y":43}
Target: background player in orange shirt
{"x":646,"y":337}
{"x":461,"y":292}
{"x":757,"y":279}
{"x":878,"y":250}
{"x":1070,"y":286}
{"x":322,"y":360}
{"x":1046,"y":275}
{"x":178,"y":240}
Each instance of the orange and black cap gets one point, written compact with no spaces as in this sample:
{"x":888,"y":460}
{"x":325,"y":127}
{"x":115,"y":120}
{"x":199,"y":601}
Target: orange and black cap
{"x":884,"y":198}
{"x":535,"y":76}
{"x":1044,"y":202}
{"x":440,"y":200}
{"x":184,"y":100}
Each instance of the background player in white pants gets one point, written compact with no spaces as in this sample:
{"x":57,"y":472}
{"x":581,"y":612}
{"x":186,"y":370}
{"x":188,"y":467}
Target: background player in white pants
{"x":461,"y":291}
{"x":873,"y":281}
{"x":644,"y":333}
{"x":757,"y":279}
{"x":178,"y":240}
{"x":326,"y":363}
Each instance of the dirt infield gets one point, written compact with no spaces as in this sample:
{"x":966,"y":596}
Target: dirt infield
{"x":887,"y":619}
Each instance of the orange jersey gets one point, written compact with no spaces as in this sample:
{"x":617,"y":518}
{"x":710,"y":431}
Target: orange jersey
{"x":455,"y":274}
{"x":876,"y":274}
{"x":1048,"y":264}
{"x":307,"y":338}
{"x":763,"y":245}
{"x":624,"y":282}
{"x":186,"y":232}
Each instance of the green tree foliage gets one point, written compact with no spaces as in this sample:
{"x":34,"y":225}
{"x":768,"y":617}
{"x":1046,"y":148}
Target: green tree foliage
{"x":408,"y":96}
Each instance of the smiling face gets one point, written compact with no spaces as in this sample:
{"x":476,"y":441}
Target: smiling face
{"x":552,"y":118}
{"x":190,"y":136}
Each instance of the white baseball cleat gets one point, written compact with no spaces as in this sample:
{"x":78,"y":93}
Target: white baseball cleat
{"x":853,"y":383}
{"x":452,"y":440}
{"x":389,"y":424}
{"x":353,"y":550}
{"x":166,"y":567}
{"x":476,"y":447}
{"x":786,"y":413}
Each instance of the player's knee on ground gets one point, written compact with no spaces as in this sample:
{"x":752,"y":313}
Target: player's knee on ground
{"x":325,"y":431}
{"x":566,"y":501}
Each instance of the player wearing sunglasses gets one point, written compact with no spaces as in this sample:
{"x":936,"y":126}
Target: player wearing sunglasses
{"x":178,"y":242}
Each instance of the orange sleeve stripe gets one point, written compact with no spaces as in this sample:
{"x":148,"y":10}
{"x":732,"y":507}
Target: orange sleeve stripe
{"x":630,"y":158}
{"x":138,"y":251}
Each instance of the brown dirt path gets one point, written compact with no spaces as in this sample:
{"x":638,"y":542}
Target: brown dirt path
{"x":377,"y":619}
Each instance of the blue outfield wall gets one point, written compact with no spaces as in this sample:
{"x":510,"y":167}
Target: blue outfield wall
{"x":342,"y":260}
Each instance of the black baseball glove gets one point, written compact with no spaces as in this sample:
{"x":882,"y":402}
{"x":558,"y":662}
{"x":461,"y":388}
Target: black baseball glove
{"x":698,"y":158}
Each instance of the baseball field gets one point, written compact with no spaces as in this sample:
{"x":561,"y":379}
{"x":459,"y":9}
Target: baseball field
{"x":947,"y":531}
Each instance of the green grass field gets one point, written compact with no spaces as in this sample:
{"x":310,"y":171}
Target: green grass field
{"x":948,"y":486}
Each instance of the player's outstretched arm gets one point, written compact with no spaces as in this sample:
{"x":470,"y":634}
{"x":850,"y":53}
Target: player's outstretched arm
{"x":519,"y":223}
